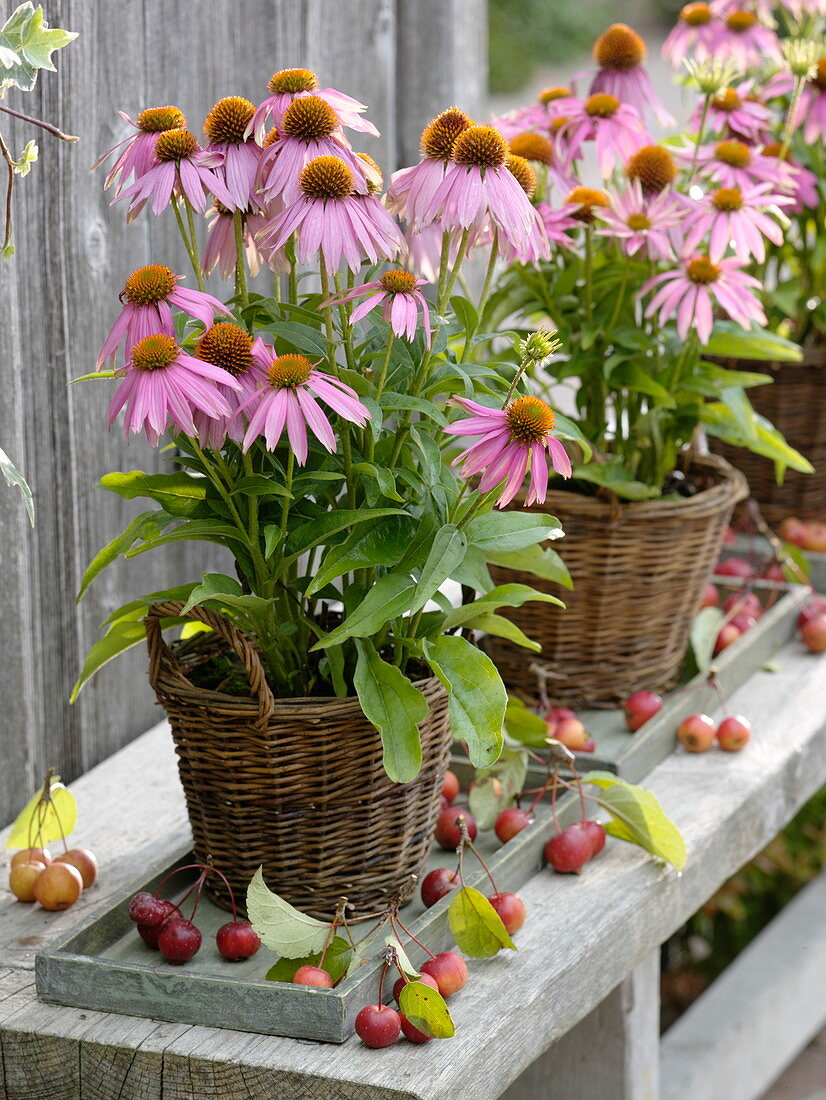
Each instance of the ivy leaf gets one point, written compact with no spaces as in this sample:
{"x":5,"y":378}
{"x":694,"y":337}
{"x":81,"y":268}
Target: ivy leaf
{"x":639,"y":818}
{"x":39,"y":824}
{"x":281,"y":926}
{"x":426,"y":1010}
{"x":395,"y":707}
{"x":476,"y":926}
{"x":336,"y":961}
{"x":15,"y":479}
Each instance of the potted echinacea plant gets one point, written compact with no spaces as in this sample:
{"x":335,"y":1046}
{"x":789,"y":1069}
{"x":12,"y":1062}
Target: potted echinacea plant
{"x":657,"y":254}
{"x":308,"y":435}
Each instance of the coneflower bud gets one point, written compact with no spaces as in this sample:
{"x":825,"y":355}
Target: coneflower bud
{"x":711,"y":74}
{"x":538,"y":346}
{"x":802,"y":56}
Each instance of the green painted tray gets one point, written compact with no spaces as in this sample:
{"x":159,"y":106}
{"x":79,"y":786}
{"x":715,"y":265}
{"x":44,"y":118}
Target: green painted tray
{"x":107,"y":966}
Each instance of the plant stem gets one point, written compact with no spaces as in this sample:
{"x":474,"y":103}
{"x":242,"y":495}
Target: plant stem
{"x":700,"y":136}
{"x":240,"y":258}
{"x":788,"y":129}
{"x":292,"y":286}
{"x":385,"y":364}
{"x":9,"y":189}
{"x":522,"y":367}
{"x":47,"y":126}
{"x":346,"y":445}
{"x":288,"y":483}
{"x":193,"y":237}
{"x":451,"y":282}
{"x":588,"y":273}
{"x":483,"y":297}
{"x":193,"y":259}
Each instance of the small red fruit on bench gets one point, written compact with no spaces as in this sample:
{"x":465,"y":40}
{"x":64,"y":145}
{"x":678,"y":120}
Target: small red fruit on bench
{"x":150,"y":933}
{"x":450,"y":787}
{"x":726,"y":636}
{"x":449,"y":970}
{"x":511,"y":910}
{"x":58,"y":886}
{"x":447,"y":831}
{"x":425,"y":979}
{"x":411,"y":1033}
{"x":438,"y":883}
{"x":511,"y":822}
{"x":237,"y":940}
{"x":734,"y":567}
{"x":745,"y":603}
{"x":595,"y":833}
{"x":378,"y":1026}
{"x":569,"y":850}
{"x":25,"y":855}
{"x":148,"y":910}
{"x":733,"y":733}
{"x":85,"y":861}
{"x":816,"y":606}
{"x":641,"y":706}
{"x":814,"y":634}
{"x":711,"y":597}
{"x":571,"y":732}
{"x":313,"y":975}
{"x":22,"y":878}
{"x":179,"y":940}
{"x":696,"y":734}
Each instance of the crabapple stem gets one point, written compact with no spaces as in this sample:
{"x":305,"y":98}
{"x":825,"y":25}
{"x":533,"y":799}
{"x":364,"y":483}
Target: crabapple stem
{"x":397,"y":920}
{"x":384,"y":970}
{"x":555,"y":786}
{"x":578,"y":781}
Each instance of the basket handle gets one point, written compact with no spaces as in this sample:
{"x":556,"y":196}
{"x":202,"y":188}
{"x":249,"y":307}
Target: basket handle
{"x":240,"y":645}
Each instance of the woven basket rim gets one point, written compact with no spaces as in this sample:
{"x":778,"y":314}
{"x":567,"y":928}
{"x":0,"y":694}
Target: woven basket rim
{"x":814,"y":355}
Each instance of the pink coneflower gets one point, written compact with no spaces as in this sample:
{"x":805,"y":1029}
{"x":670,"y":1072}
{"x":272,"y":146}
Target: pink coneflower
{"x":695,"y":34}
{"x":802,"y":184}
{"x":539,"y":151}
{"x":422,"y":251}
{"x":330,"y":217}
{"x":220,"y":248}
{"x":148,"y":298}
{"x":412,"y":189}
{"x":179,"y":170}
{"x":230,"y":347}
{"x":640,"y":222}
{"x":289,"y":84}
{"x":733,"y":164}
{"x":691,"y":291}
{"x":138,"y":156}
{"x":235,"y":158}
{"x":550,"y":104}
{"x":615,"y":127}
{"x":559,"y":223}
{"x":398,"y":293}
{"x":512,"y":439}
{"x":288,"y":397}
{"x":620,"y":53}
{"x":763,"y":9}
{"x":479,"y":188}
{"x":309,"y":129}
{"x":741,"y":37}
{"x":537,"y":246}
{"x":812,"y":106}
{"x":731,"y":215}
{"x":734,"y":111}
{"x":163,"y":387}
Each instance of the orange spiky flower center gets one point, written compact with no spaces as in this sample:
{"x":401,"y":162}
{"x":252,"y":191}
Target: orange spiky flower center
{"x":558,"y":123}
{"x":533,"y":147}
{"x":227,"y":346}
{"x":440,"y":134}
{"x":154,"y":120}
{"x":741,"y":21}
{"x":271,"y":137}
{"x":399,"y":281}
{"x":375,"y":180}
{"x":774,"y":149}
{"x":548,"y":95}
{"x":529,"y":419}
{"x":522,"y":172}
{"x":149,"y":285}
{"x":587,"y":199}
{"x":154,"y":352}
{"x":727,"y":199}
{"x":292,"y":81}
{"x":327,"y":178}
{"x":289,"y":371}
{"x":309,"y":119}
{"x":702,"y":271}
{"x":734,"y":153}
{"x":638,"y":222}
{"x":727,"y":100}
{"x":653,"y":166}
{"x":601,"y":105}
{"x":696,"y":15}
{"x":481,"y":146}
{"x":819,"y":79}
{"x":228,"y":119}
{"x":619,"y":48}
{"x":176,"y":144}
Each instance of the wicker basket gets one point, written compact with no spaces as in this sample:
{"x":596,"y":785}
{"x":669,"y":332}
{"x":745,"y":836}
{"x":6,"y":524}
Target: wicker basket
{"x":796,"y":404}
{"x":295,"y":785}
{"x":638,"y":570}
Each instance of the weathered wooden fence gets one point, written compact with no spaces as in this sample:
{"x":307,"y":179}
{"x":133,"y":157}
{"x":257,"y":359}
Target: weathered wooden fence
{"x":406,"y":58}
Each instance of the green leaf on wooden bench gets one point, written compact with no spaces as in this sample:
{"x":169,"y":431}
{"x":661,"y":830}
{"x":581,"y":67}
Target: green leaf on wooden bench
{"x":281,"y":926}
{"x":426,"y":1010}
{"x":507,"y":776}
{"x":336,"y":961}
{"x":38,"y":824}
{"x":476,"y":926}
{"x":639,"y":818}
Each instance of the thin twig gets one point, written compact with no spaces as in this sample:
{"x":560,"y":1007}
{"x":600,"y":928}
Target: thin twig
{"x":9,"y":188}
{"x":47,"y":126}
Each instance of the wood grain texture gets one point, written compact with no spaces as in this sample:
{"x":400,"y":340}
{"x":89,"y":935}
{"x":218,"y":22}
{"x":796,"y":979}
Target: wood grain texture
{"x":582,"y":939}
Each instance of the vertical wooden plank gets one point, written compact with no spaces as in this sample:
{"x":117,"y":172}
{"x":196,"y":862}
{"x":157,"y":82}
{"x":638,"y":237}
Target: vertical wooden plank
{"x":613,"y":1054}
{"x":442,"y":61}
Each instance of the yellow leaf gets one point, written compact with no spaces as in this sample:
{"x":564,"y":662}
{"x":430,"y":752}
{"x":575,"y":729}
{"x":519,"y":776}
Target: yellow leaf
{"x":40,"y":823}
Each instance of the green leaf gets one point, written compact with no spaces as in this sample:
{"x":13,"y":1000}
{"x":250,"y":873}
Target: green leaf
{"x":118,"y":638}
{"x":704,"y":630}
{"x":632,"y":377}
{"x":212,"y":585}
{"x":498,"y":532}
{"x":446,"y":554}
{"x":476,"y":694}
{"x":618,"y":480}
{"x":730,"y":341}
{"x":389,"y":597}
{"x":302,"y":337}
{"x":41,"y":823}
{"x":199,"y":530}
{"x":476,"y":926}
{"x":500,"y":627}
{"x":15,"y":479}
{"x":394,"y":401}
{"x":326,"y":525}
{"x":281,"y":926}
{"x":465,"y":312}
{"x":426,"y":1010}
{"x":507,"y":776}
{"x":395,"y":707}
{"x":545,"y":564}
{"x":179,"y":493}
{"x":26,"y":46}
{"x":796,"y":568}
{"x":336,"y":961}
{"x":145,"y":528}
{"x":565,"y":428}
{"x":503,"y":595}
{"x":766,"y":440}
{"x":384,"y":543}
{"x":257,"y":485}
{"x":385,"y":480}
{"x":524,"y":725}
{"x":639,"y":818}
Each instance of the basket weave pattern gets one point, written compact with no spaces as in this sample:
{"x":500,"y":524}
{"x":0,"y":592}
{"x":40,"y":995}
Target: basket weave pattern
{"x":639,"y":570}
{"x":795,"y":404}
{"x":295,"y":785}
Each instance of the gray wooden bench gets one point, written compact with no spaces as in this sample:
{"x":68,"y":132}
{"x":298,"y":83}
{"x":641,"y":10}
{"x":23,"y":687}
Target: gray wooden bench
{"x":573,"y":1015}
